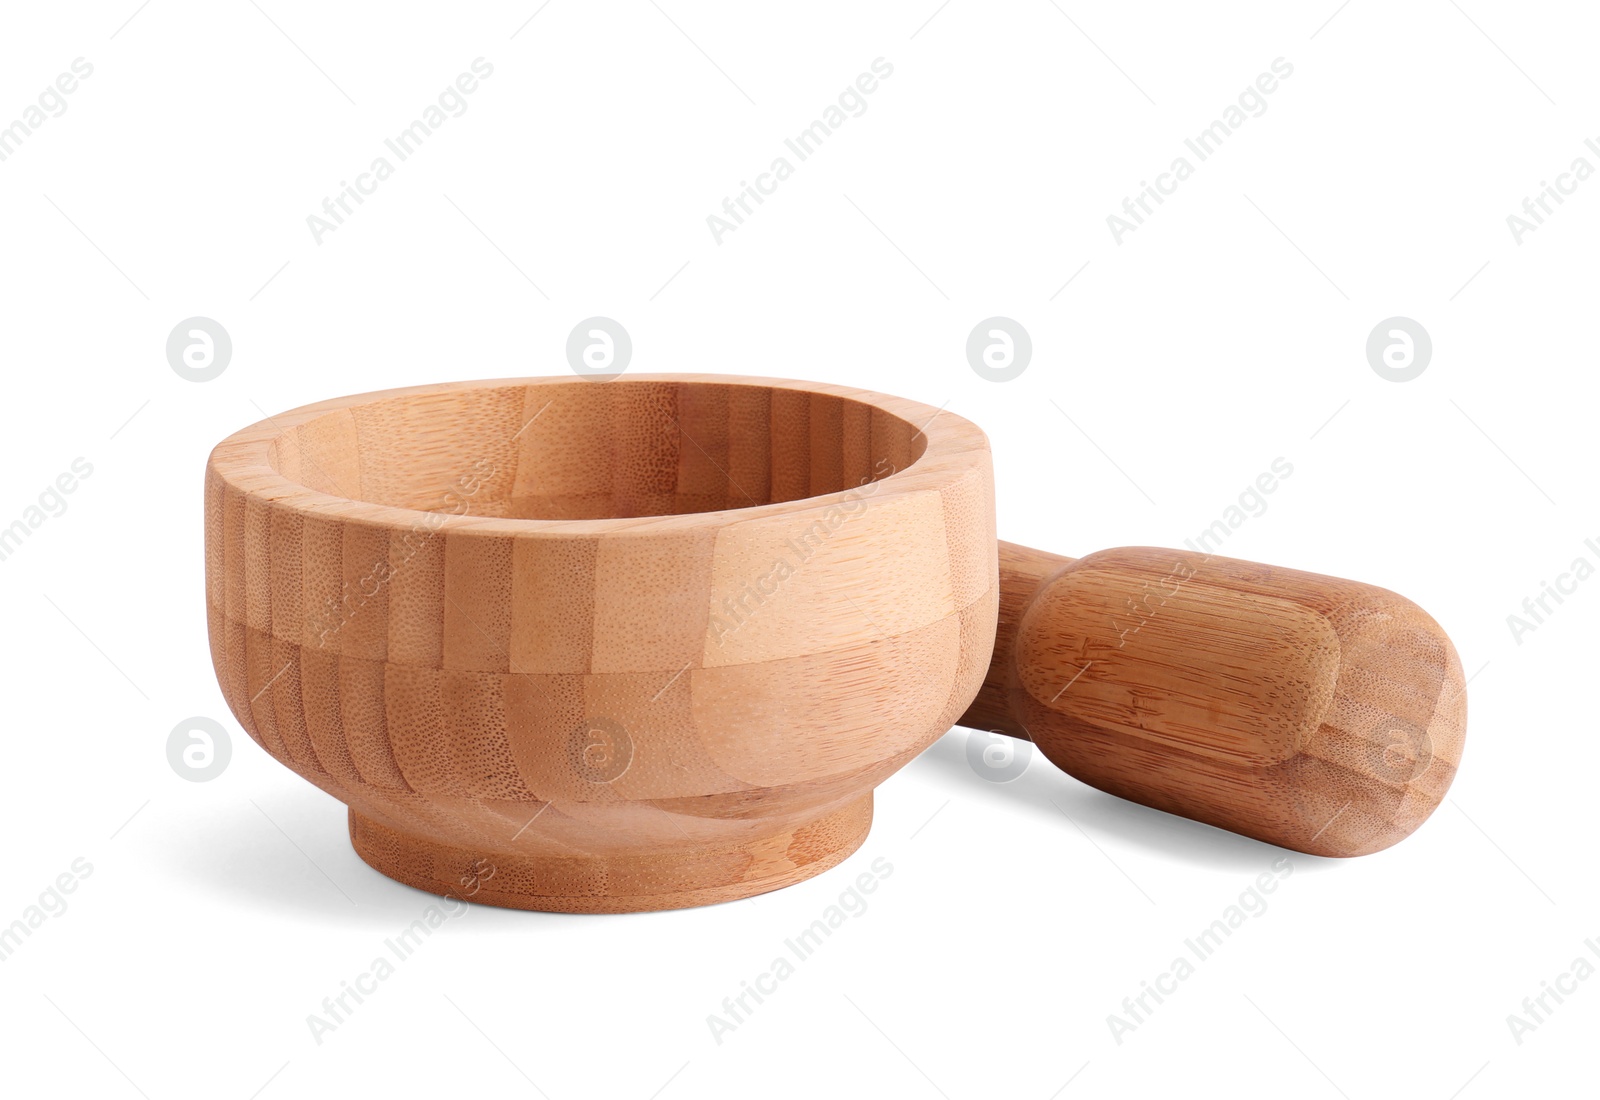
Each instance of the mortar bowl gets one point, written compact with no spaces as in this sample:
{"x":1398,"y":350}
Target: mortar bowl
{"x":602,"y":646}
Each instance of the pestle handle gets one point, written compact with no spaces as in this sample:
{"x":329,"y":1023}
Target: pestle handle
{"x":1320,"y":714}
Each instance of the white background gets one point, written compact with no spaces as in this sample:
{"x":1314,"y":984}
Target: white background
{"x":1227,"y":331}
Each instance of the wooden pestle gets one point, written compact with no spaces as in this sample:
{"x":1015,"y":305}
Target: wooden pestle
{"x":1316,"y":713}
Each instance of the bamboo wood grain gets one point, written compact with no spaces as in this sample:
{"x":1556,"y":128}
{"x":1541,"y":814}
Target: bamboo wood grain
{"x":1321,"y":714}
{"x":600,"y":647}
{"x":651,"y":643}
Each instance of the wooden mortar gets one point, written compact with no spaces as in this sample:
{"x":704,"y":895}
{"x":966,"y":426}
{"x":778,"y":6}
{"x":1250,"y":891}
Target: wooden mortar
{"x":602,"y":646}
{"x":651,"y":643}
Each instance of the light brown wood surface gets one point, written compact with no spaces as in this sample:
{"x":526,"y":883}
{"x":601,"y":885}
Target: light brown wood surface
{"x":602,"y":646}
{"x":1321,"y":714}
